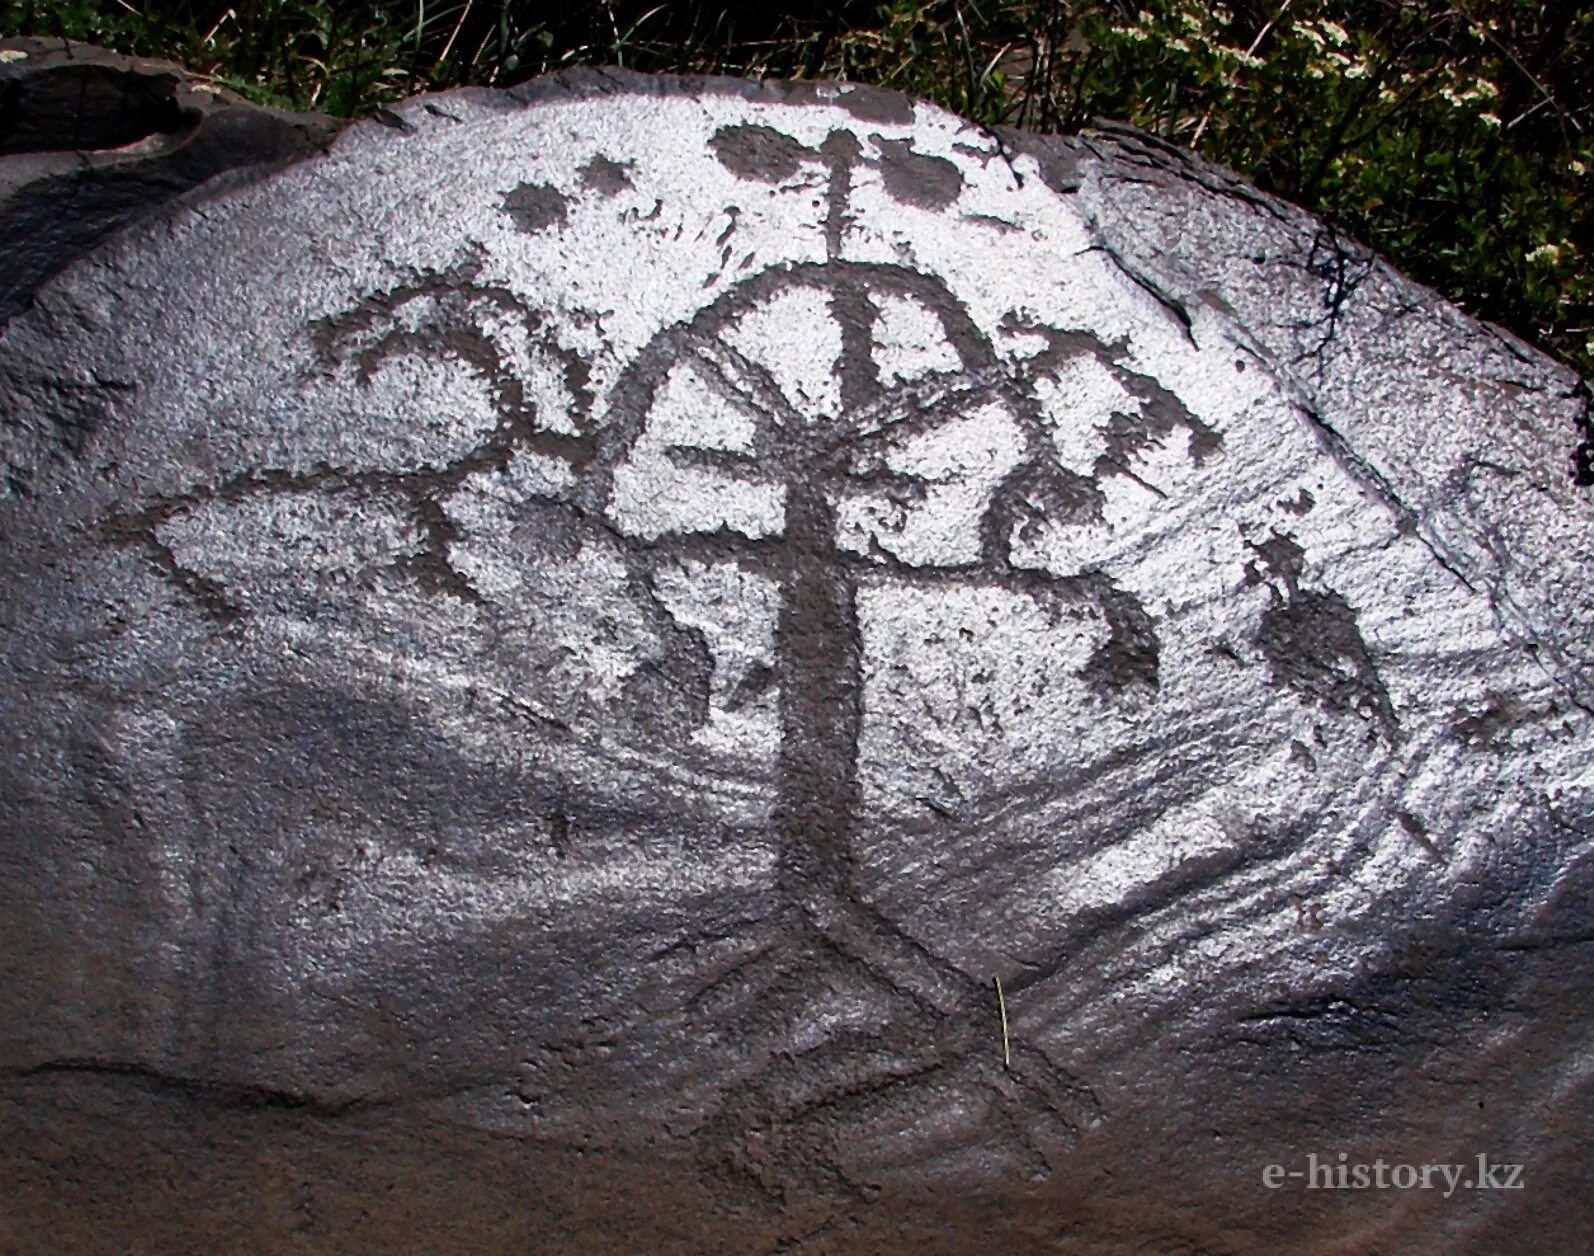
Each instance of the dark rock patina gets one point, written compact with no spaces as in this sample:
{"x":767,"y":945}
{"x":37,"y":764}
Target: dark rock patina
{"x":92,"y":141}
{"x":557,"y":652}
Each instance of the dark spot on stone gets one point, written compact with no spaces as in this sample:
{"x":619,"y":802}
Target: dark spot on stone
{"x":1204,"y":442}
{"x":1311,"y":640}
{"x":987,"y":220}
{"x":392,"y":120}
{"x":877,"y":105}
{"x":1059,"y":170}
{"x":756,"y":682}
{"x":1224,"y":650}
{"x":605,"y":177}
{"x":1300,"y":505}
{"x":1300,"y":754}
{"x":1063,"y":344}
{"x":670,"y":692}
{"x":1160,"y":413}
{"x":1131,"y":654}
{"x":1583,"y":454}
{"x":1417,"y":831}
{"x":1490,"y":728}
{"x":559,"y":833}
{"x":749,"y":151}
{"x":536,"y":206}
{"x":1283,"y":557}
{"x":916,"y":179}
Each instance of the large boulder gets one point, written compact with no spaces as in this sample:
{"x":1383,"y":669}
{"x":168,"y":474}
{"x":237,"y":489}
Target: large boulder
{"x":682,"y":665}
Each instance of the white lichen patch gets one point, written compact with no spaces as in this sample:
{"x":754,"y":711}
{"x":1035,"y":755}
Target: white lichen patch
{"x":280,"y":543}
{"x":910,"y":341}
{"x":793,"y":336}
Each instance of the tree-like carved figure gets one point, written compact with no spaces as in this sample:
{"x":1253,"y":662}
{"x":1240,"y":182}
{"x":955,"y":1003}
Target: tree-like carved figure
{"x":809,"y":1098}
{"x":943,"y":1036}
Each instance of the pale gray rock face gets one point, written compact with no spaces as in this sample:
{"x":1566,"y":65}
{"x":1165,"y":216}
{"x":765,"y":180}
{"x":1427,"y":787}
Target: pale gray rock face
{"x":603,"y":619}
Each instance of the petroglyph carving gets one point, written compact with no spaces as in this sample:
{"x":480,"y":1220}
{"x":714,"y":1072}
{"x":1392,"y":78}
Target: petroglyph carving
{"x":625,"y":640}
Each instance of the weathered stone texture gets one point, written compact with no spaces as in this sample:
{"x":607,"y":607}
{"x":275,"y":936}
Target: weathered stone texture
{"x":91,"y":141}
{"x":555,"y":652}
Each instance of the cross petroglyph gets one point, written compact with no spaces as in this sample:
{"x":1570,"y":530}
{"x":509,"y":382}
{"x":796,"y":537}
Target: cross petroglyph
{"x":826,"y":485}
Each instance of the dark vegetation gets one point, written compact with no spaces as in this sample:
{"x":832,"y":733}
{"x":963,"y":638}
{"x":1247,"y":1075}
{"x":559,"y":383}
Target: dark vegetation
{"x":1454,"y":136}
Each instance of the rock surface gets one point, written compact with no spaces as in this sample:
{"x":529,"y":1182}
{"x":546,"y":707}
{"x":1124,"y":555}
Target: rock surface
{"x":91,"y":141}
{"x":558,"y":652}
